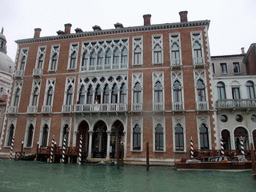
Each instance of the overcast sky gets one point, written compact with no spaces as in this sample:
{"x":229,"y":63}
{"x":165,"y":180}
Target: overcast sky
{"x":232,"y":21}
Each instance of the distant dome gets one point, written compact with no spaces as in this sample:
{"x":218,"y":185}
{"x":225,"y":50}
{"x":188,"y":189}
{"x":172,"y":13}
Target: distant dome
{"x":2,"y":36}
{"x":6,"y":64}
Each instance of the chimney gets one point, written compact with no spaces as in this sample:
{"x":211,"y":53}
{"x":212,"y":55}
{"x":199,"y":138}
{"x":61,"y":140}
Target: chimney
{"x":78,"y":30}
{"x":96,"y":28}
{"x":147,"y":19}
{"x":242,"y":49}
{"x":37,"y":32}
{"x":183,"y":16}
{"x":60,"y":32}
{"x":67,"y":28}
{"x":118,"y":25}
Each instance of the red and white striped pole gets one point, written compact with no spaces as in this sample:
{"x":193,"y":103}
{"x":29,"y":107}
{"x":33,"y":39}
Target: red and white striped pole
{"x":221,"y":146}
{"x":191,"y":149}
{"x":52,"y":148}
{"x":12,"y":143}
{"x":64,"y":149}
{"x":80,"y":150}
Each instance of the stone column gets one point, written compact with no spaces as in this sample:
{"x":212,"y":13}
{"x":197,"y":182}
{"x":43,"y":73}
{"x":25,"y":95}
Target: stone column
{"x":232,"y":142}
{"x":108,"y":145}
{"x":90,"y":144}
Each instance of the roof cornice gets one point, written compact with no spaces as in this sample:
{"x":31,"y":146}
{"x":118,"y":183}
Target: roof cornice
{"x":117,"y":31}
{"x":252,"y":46}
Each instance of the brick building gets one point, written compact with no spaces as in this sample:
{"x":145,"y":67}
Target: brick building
{"x":148,"y":83}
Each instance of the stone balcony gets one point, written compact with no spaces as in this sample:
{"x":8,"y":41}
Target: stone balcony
{"x":110,"y":107}
{"x":46,"y":109}
{"x":236,"y":104}
{"x":32,"y":109}
{"x":19,"y":74}
{"x":202,"y":106}
{"x":137,"y":107}
{"x":37,"y":72}
{"x":176,"y":64}
{"x":13,"y":110}
{"x":158,"y":107}
{"x":199,"y":62}
{"x":177,"y":106}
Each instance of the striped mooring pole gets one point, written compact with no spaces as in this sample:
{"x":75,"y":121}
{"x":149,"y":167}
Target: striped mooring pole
{"x":52,"y":148}
{"x":64,"y":149}
{"x":191,"y":149}
{"x":221,"y":146}
{"x":80,"y":150}
{"x":242,"y":145}
{"x":12,"y":143}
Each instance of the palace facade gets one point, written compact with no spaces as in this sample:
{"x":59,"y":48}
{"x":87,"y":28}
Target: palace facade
{"x":149,"y":83}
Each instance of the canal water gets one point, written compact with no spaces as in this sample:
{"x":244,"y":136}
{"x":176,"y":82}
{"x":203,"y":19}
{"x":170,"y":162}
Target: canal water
{"x":41,"y":176}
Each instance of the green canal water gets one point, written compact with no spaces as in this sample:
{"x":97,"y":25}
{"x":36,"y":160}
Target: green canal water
{"x":41,"y":176}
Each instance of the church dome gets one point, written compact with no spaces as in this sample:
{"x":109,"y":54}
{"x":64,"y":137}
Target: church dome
{"x":6,"y":64}
{"x":2,"y":36}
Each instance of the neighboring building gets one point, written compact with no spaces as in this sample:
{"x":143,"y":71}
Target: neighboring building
{"x":234,"y":99}
{"x":6,"y":72}
{"x":141,"y":84}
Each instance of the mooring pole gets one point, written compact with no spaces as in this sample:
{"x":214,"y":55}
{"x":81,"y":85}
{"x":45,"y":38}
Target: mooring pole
{"x":117,"y":154}
{"x":147,"y":156}
{"x":253,"y":161}
{"x":37,"y":148}
{"x":21,"y":149}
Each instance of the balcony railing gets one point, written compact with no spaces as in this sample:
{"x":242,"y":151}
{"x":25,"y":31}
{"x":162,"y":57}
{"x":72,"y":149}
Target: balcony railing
{"x":19,"y":74}
{"x":37,"y":72}
{"x":13,"y":110}
{"x":236,"y":104}
{"x":176,"y":63}
{"x":67,"y":108}
{"x":202,"y":105}
{"x":46,"y":109}
{"x":137,"y":107}
{"x":177,"y":106}
{"x":111,"y":107}
{"x":32,"y":109}
{"x":158,"y":107}
{"x":198,"y":61}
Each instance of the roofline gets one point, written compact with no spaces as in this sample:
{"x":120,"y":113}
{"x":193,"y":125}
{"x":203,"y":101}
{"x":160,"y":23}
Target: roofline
{"x":235,"y":55}
{"x":117,"y":31}
{"x":253,"y":45}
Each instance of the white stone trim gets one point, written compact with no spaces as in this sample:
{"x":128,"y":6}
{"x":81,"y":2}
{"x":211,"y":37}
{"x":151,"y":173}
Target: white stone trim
{"x":159,"y":120}
{"x":135,"y":121}
{"x":137,"y":42}
{"x":155,"y":42}
{"x":175,"y":121}
{"x":54,"y":49}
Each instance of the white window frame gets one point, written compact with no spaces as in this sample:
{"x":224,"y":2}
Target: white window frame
{"x":177,"y":76}
{"x":69,"y":81}
{"x":172,"y":42}
{"x":136,"y":43}
{"x":65,"y":121}
{"x":49,"y":82}
{"x":160,"y":43}
{"x":200,"y":40}
{"x":161,"y":121}
{"x":10,"y":122}
{"x":35,"y":84}
{"x":18,"y":84}
{"x":157,"y":76}
{"x":39,"y":52}
{"x":74,"y":47}
{"x":135,"y":121}
{"x":201,"y":74}
{"x":137,"y":78}
{"x":175,"y":121}
{"x":44,"y":122}
{"x":204,"y":120}
{"x":30,"y":121}
{"x":53,"y":51}
{"x":23,"y":52}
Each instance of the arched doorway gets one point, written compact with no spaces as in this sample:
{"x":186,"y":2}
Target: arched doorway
{"x":226,"y":139}
{"x":83,"y":130}
{"x":117,"y":133}
{"x":241,"y":132}
{"x":99,"y":140}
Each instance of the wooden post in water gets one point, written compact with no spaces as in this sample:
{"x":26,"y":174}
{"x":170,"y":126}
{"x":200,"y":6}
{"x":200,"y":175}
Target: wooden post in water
{"x":253,"y":161}
{"x":37,"y":148}
{"x":147,"y":156}
{"x":21,"y":149}
{"x":117,"y":154}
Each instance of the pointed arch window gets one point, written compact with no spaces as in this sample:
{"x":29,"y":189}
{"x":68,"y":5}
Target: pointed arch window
{"x":137,"y":55}
{"x":201,"y":90}
{"x":65,"y":134}
{"x":40,"y":61}
{"x":137,"y":93}
{"x":73,"y":60}
{"x":108,"y":59}
{"x":30,"y":136}
{"x":158,"y":92}
{"x":22,"y":63}
{"x":69,"y":95}
{"x":221,"y":90}
{"x":204,"y":137}
{"x":116,"y":56}
{"x":136,"y":137}
{"x":35,"y":96}
{"x":197,"y":50}
{"x":106,"y":94}
{"x":98,"y":94}
{"x":45,"y":135}
{"x":177,"y":96}
{"x":100,"y":59}
{"x":124,"y":56}
{"x":54,"y":61}
{"x":157,"y":54}
{"x":175,"y":52}
{"x":82,"y":95}
{"x":179,"y":138}
{"x":84,"y":61}
{"x":90,"y":95}
{"x":114,"y":94}
{"x":49,"y":96}
{"x":250,"y":90}
{"x":92,"y":60}
{"x":123,"y":94}
{"x":159,"y":138}
{"x":16,"y":97}
{"x":10,"y":135}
